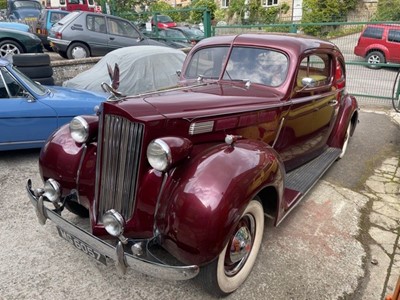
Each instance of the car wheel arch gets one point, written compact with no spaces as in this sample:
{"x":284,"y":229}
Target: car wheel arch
{"x":228,"y":205}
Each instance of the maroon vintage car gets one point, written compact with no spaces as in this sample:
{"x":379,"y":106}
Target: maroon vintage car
{"x":177,"y":183}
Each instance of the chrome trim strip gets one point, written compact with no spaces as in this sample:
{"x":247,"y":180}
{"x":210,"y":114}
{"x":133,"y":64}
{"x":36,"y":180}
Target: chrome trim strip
{"x":201,"y":127}
{"x":151,"y":268}
{"x":23,"y":143}
{"x":279,"y":132}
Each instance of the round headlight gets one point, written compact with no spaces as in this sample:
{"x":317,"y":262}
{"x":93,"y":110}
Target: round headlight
{"x":159,"y":155}
{"x":79,"y":129}
{"x":113,"y":222}
{"x":52,"y":190}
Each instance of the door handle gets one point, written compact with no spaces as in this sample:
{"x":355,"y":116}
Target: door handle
{"x":333,"y":102}
{"x":111,"y":38}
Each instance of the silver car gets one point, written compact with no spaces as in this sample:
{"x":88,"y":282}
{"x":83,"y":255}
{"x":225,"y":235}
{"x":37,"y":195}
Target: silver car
{"x":83,"y":34}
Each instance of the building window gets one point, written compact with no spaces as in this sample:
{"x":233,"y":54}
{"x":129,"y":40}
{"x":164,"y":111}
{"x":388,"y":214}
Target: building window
{"x":224,"y":3}
{"x":269,"y":2}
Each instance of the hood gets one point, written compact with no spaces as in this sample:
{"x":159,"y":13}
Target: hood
{"x":210,"y":100}
{"x":72,"y":102}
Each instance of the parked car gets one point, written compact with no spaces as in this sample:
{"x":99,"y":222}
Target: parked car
{"x":82,"y":34}
{"x":46,"y":19}
{"x":30,"y":112}
{"x":16,"y":41}
{"x":142,"y":69}
{"x":194,"y":35}
{"x":23,"y":10}
{"x":193,"y":170}
{"x":379,"y":44}
{"x":15,"y":25}
{"x":170,"y":37}
{"x":162,"y":21}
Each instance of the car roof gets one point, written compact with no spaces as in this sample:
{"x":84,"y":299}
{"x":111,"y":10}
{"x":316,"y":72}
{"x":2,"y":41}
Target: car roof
{"x":287,"y":42}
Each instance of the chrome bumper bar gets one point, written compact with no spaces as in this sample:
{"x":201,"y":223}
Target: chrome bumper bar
{"x":122,"y":259}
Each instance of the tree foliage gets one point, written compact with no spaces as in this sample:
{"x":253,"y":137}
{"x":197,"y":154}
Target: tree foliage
{"x":388,"y":10}
{"x":258,"y":13}
{"x":196,"y":16}
{"x":316,"y":11}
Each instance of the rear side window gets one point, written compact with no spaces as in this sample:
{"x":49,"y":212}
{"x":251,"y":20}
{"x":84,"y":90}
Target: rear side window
{"x":394,"y":36}
{"x":96,"y":23}
{"x":373,"y":33}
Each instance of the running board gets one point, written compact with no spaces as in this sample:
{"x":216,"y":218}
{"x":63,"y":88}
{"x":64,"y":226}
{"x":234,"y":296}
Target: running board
{"x":299,"y":181}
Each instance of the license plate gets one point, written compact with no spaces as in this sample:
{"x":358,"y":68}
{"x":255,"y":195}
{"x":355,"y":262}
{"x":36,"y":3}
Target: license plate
{"x":30,"y":19}
{"x":78,"y":244}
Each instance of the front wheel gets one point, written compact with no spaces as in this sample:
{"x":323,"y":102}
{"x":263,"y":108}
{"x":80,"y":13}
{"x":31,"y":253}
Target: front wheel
{"x":232,"y":267}
{"x":78,"y":50}
{"x":9,"y":48}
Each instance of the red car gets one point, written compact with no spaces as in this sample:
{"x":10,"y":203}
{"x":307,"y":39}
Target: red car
{"x":193,"y":170}
{"x":162,"y":21}
{"x":379,"y":44}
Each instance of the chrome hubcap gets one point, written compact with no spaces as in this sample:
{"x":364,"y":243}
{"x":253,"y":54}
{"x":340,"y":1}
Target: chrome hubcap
{"x":240,"y":246}
{"x":374,"y":60}
{"x":79,"y":52}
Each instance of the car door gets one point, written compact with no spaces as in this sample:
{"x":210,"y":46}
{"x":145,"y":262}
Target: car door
{"x":98,"y":37}
{"x":25,"y":122}
{"x":393,"y":45}
{"x":313,"y":111}
{"x":121,"y":34}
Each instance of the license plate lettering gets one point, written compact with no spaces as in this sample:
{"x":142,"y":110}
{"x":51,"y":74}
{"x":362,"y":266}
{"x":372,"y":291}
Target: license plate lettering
{"x":78,"y":244}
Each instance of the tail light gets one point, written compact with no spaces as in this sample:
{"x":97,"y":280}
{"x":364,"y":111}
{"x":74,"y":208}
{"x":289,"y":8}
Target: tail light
{"x":58,"y":35}
{"x":193,"y":42}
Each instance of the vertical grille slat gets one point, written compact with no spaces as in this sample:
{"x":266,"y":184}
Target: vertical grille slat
{"x":118,"y":165}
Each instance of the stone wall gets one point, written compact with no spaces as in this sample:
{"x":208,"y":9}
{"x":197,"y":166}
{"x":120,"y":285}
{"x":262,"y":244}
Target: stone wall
{"x":67,"y":69}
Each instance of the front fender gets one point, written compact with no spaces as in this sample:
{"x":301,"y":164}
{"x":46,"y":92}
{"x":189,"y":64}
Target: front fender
{"x":348,"y":112}
{"x":205,"y":198}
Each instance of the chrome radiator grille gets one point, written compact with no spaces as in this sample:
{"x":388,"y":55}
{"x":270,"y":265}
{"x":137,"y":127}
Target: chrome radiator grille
{"x":119,"y":149}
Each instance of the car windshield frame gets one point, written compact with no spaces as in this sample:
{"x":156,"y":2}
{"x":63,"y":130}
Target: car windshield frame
{"x":33,"y":86}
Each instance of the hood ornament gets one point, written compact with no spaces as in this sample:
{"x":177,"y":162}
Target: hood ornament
{"x":113,"y":87}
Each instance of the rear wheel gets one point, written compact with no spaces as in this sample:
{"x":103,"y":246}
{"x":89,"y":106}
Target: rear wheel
{"x":78,"y":50}
{"x":373,"y":58}
{"x":232,"y":267}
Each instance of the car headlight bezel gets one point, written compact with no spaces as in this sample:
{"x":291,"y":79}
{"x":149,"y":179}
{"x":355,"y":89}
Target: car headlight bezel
{"x":79,"y":129}
{"x":159,"y":155}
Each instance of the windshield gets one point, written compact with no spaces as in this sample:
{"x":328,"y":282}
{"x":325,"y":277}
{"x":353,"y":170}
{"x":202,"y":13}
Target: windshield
{"x":27,"y":4}
{"x":35,"y":87}
{"x":259,"y":65}
{"x":164,"y":19}
{"x":207,"y":62}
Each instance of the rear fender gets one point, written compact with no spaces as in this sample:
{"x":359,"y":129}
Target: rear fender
{"x":204,"y":199}
{"x":348,"y":112}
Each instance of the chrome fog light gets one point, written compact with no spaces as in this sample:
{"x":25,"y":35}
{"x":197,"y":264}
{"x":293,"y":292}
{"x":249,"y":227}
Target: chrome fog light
{"x":52,"y":190}
{"x":114,"y":223}
{"x":79,"y":129}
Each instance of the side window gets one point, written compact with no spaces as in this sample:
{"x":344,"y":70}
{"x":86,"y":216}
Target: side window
{"x":9,"y":87}
{"x":394,"y":36}
{"x":373,"y":32}
{"x":55,"y":17}
{"x":96,"y":23}
{"x":121,"y":27}
{"x":316,"y":67}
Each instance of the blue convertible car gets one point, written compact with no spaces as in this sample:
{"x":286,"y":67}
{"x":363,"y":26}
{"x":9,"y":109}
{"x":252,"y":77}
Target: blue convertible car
{"x":30,"y":112}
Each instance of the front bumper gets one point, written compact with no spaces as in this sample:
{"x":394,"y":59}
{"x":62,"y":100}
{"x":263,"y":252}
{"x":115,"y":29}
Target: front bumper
{"x":122,"y":259}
